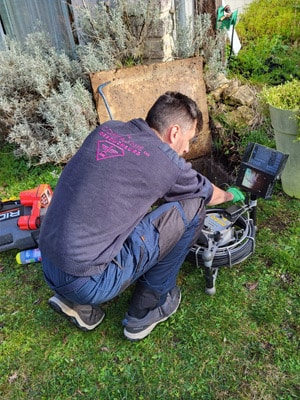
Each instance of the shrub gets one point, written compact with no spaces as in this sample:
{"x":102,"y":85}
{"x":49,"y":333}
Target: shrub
{"x":46,"y":108}
{"x":270,"y":17}
{"x":66,"y":118}
{"x":46,"y":105}
{"x":269,"y":33}
{"x":114,"y":35}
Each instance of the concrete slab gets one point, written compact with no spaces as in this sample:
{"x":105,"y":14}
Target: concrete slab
{"x":132,"y":91}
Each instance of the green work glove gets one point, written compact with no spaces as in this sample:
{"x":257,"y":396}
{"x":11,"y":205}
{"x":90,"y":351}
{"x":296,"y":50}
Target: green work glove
{"x":237,"y":194}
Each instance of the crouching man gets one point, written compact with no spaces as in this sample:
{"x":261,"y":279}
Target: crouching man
{"x":98,"y":236}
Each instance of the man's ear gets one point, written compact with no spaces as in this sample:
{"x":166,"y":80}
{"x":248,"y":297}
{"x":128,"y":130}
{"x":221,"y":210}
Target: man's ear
{"x":172,"y":133}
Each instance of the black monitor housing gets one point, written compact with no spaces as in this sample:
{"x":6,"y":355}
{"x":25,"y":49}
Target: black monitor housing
{"x":259,"y":170}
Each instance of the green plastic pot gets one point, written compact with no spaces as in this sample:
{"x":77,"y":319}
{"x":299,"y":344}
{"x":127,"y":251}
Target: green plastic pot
{"x":286,"y":130}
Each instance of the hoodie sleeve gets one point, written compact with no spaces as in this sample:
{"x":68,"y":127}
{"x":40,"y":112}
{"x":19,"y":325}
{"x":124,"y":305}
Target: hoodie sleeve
{"x":189,"y":184}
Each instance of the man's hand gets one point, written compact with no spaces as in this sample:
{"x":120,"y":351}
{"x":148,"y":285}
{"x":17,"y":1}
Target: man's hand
{"x":220,"y":196}
{"x":237,"y":194}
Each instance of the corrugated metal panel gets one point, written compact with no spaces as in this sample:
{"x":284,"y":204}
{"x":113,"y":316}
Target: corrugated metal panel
{"x":21,"y":17}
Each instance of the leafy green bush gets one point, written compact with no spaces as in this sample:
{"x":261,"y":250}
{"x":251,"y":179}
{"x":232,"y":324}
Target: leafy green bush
{"x":270,"y":17}
{"x":269,"y":33}
{"x":267,"y":60}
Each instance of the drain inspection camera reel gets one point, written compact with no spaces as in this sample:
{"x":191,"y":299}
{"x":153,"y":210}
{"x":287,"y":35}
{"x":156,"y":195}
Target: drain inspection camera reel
{"x":228,"y":235}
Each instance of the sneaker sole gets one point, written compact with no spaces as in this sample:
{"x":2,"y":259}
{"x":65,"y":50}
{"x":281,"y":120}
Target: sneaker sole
{"x":72,"y":316}
{"x":141,"y":335}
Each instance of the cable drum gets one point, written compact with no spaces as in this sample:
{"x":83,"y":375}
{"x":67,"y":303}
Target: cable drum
{"x":239,"y":242}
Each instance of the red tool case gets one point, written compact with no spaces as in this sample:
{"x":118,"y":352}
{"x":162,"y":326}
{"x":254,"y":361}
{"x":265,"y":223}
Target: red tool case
{"x":20,"y":219}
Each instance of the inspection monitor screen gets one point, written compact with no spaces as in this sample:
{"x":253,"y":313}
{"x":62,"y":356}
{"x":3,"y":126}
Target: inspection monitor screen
{"x":255,"y":181}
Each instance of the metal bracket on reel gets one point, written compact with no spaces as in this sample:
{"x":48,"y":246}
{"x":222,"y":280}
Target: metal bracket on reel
{"x":228,"y":238}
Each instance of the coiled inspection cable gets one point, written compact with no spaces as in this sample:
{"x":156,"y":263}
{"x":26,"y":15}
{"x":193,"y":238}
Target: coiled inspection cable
{"x":228,"y":254}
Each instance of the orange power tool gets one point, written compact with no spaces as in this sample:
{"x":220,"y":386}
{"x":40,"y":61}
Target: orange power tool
{"x":39,"y":199}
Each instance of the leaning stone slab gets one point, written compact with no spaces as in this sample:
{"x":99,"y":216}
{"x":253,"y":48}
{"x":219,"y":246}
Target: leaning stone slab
{"x":133,"y":90}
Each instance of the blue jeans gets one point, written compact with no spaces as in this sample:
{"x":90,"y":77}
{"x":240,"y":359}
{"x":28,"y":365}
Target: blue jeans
{"x":153,"y":253}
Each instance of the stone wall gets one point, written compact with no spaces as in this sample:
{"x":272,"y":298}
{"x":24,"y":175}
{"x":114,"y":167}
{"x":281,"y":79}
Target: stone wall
{"x":174,"y":13}
{"x":160,"y":43}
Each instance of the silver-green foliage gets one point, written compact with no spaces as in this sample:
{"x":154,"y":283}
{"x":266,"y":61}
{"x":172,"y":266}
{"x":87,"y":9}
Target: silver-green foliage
{"x":35,"y":68}
{"x":115,"y":35}
{"x":66,"y":118}
{"x":45,"y":107}
{"x":197,"y":40}
{"x":191,"y":39}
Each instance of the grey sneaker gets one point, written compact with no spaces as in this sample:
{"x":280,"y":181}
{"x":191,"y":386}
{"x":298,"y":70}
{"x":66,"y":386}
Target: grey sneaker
{"x":85,"y":317}
{"x":139,"y":328}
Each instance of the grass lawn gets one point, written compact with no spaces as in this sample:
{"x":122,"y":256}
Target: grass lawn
{"x":242,"y":343}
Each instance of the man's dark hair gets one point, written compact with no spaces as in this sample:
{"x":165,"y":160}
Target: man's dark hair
{"x":174,"y":108}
